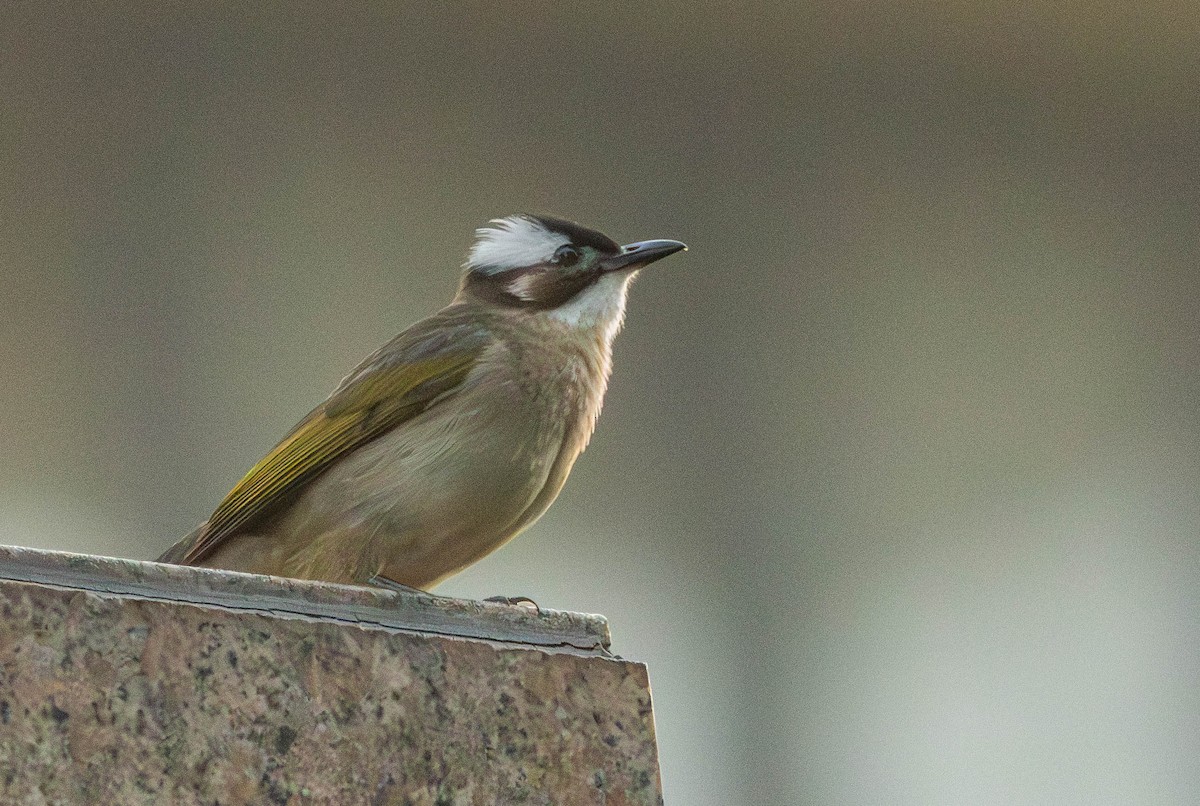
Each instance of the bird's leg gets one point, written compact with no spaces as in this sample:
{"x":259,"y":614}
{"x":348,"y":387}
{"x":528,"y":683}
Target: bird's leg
{"x":381,"y":581}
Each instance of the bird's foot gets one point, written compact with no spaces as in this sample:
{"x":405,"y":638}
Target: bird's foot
{"x":515,"y":600}
{"x":380,"y":581}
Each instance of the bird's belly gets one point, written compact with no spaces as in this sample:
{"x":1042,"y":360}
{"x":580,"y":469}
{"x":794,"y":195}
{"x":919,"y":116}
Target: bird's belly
{"x":429,"y":498}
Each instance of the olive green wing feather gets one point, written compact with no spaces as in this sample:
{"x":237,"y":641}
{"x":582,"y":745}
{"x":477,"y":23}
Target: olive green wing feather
{"x":404,"y":378}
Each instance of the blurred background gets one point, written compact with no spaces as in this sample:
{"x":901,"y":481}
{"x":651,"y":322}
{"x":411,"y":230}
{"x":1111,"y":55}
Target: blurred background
{"x":897,"y":489}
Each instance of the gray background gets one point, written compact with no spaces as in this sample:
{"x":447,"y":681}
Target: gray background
{"x":896,"y":489}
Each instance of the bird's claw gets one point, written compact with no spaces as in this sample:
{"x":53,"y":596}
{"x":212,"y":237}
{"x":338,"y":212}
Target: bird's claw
{"x":515,"y":600}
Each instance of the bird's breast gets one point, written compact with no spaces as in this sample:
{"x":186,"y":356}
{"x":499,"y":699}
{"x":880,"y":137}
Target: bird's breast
{"x":476,"y":460}
{"x":452,"y":484}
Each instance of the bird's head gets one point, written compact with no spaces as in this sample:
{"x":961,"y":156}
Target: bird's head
{"x":555,"y":267}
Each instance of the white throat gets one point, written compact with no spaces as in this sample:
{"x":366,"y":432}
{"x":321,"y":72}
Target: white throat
{"x":599,"y":308}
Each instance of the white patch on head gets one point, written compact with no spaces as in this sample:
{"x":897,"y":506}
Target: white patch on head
{"x":599,"y":307}
{"x":512,"y":243}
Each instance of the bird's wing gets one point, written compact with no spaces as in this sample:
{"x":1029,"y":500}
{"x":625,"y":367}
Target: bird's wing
{"x":402,"y":379}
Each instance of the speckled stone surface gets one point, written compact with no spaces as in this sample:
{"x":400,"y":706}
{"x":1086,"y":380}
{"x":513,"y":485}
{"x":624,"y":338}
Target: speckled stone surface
{"x":117,"y":699}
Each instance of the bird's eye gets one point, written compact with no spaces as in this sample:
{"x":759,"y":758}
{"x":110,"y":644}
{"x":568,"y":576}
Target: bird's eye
{"x":566,"y":255}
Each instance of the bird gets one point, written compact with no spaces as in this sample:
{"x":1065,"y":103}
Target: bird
{"x":451,"y":438}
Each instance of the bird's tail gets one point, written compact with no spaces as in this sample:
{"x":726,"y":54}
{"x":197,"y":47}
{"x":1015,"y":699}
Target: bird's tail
{"x":177,"y":552}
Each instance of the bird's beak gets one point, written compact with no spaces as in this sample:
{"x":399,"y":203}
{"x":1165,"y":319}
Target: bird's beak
{"x":637,"y":255}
